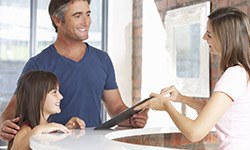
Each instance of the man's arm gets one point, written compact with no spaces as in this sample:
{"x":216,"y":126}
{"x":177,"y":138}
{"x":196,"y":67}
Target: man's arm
{"x":8,"y":127}
{"x":113,"y":102}
{"x":114,"y":105}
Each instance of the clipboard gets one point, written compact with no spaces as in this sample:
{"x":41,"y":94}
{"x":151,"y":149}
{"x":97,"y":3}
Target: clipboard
{"x":121,"y":117}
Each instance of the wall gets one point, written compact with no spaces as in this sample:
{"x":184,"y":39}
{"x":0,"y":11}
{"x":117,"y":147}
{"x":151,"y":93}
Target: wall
{"x":120,"y":45}
{"x":165,"y":5}
{"x":125,"y":47}
{"x":139,"y":64}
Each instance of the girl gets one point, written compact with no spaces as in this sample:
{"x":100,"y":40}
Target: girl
{"x":228,"y":109}
{"x":38,"y":97}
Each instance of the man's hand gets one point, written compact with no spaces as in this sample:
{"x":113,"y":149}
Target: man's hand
{"x":75,"y":123}
{"x":8,"y":129}
{"x":139,"y":119}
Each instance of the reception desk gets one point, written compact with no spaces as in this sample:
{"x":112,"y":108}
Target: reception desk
{"x":118,"y":139}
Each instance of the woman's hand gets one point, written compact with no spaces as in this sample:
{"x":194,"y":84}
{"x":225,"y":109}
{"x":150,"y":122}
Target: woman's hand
{"x":162,"y":101}
{"x":172,"y":93}
{"x":157,"y":102}
{"x":75,"y":123}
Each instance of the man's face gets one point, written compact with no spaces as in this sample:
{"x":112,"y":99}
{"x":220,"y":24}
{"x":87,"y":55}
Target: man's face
{"x":77,"y":20}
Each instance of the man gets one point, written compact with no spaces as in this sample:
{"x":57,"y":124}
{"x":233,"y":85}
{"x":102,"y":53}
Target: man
{"x":86,"y":74}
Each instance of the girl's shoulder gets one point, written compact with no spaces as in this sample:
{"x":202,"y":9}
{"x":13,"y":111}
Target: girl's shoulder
{"x":25,"y":128}
{"x":21,"y":139}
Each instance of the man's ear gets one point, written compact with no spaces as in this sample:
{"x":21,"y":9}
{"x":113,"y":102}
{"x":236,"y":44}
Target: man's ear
{"x":56,"y":21}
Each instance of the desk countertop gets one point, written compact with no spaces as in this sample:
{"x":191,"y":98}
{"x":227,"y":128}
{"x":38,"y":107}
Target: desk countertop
{"x":93,"y":140}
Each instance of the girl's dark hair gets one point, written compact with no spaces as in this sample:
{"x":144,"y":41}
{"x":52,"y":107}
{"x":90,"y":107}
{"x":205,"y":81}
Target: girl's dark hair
{"x":31,"y":93}
{"x":231,"y":28}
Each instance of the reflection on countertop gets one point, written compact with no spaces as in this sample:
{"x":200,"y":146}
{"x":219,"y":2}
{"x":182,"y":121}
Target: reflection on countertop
{"x":116,"y":139}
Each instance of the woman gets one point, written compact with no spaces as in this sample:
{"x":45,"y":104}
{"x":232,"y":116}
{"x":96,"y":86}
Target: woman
{"x":228,"y":109}
{"x":38,"y":97}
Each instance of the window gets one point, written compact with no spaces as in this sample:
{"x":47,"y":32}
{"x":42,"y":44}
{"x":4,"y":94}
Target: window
{"x":25,"y":30}
{"x":14,"y":45}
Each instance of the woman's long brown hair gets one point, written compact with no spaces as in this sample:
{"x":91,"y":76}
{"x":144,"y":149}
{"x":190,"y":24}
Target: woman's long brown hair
{"x":231,"y":28}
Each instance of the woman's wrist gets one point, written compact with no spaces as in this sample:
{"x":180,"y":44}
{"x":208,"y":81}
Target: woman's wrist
{"x":181,"y":98}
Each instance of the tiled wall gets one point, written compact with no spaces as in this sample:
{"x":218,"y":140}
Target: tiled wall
{"x":163,"y":6}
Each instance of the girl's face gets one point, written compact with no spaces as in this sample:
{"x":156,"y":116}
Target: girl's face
{"x":52,"y":103}
{"x":209,"y":36}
